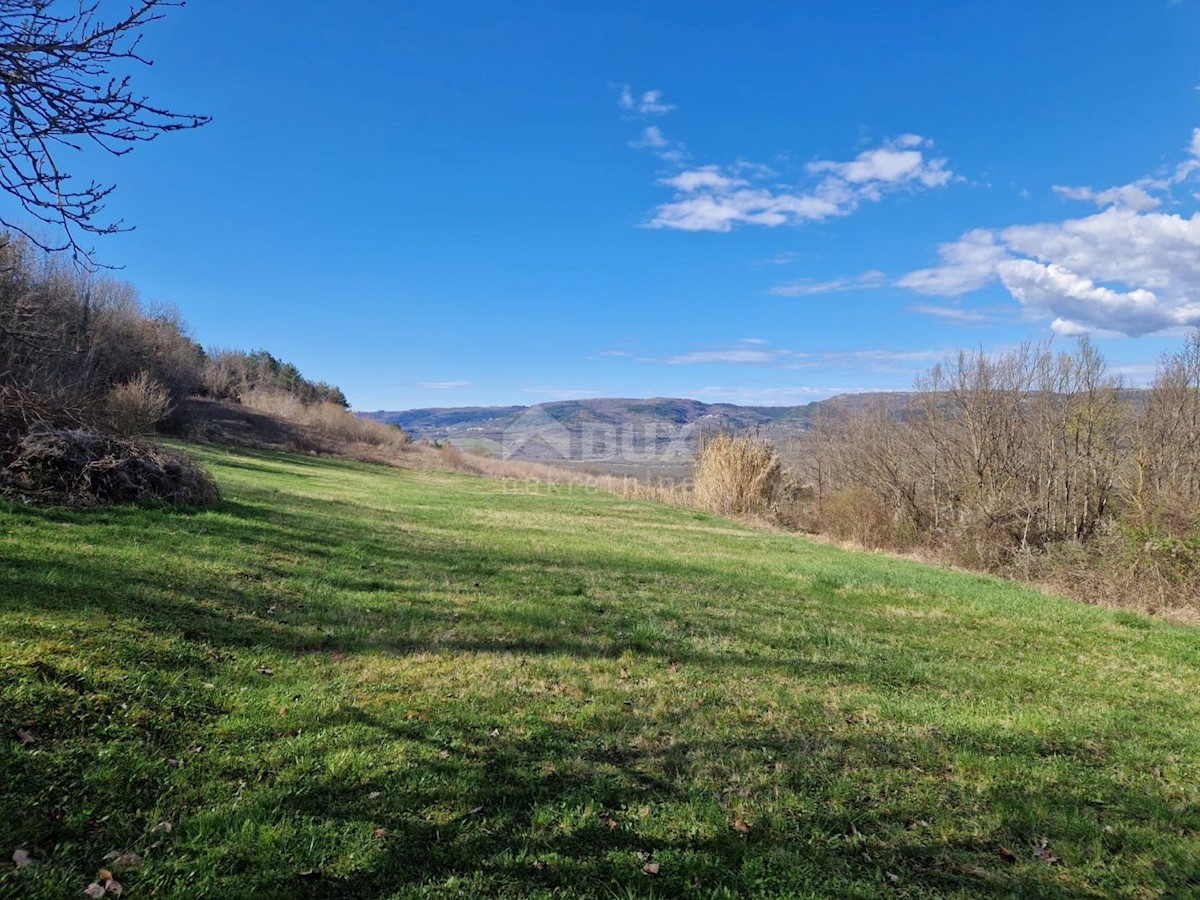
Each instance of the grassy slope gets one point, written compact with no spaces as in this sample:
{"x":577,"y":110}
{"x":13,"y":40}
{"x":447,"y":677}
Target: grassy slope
{"x":487,"y":674}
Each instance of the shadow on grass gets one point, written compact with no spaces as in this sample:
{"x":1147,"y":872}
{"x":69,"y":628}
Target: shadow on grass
{"x":494,"y":841}
{"x":249,"y":576}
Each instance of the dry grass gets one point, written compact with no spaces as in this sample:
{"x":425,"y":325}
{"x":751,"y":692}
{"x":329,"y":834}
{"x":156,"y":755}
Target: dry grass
{"x":737,"y":475}
{"x":328,"y":421}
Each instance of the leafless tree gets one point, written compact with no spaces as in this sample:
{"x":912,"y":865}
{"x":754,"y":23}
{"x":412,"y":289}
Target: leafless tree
{"x":66,"y":85}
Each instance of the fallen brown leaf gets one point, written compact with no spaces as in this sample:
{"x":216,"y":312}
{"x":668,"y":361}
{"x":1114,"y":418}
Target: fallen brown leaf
{"x":1007,"y":855}
{"x":104,"y":875}
{"x":162,"y":828}
{"x":742,"y":825}
{"x":25,"y":737}
{"x":650,"y":868}
{"x":611,"y":823}
{"x":114,"y":887}
{"x":381,"y":832}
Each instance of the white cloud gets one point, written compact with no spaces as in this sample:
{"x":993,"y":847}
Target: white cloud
{"x":1081,"y":304}
{"x":709,"y":198}
{"x":780,"y":259}
{"x":1129,"y":269}
{"x":866,"y":281}
{"x":960,"y":315}
{"x":778,"y":358}
{"x":966,"y":265}
{"x":648,"y":103}
{"x":772,"y":396}
{"x":899,"y":161}
{"x":1129,"y":196}
{"x":703,"y":178}
{"x":651,"y":138}
{"x":444,"y":385}
{"x":563,"y":393}
{"x":651,"y":104}
{"x":740,"y":356}
{"x":886,"y":357}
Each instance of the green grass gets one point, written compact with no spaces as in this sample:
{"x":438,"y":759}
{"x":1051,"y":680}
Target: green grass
{"x":477,"y":691}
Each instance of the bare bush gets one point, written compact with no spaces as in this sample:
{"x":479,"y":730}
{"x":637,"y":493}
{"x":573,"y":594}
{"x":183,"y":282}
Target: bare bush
{"x":86,"y":468}
{"x":135,"y":407}
{"x":737,"y":474}
{"x":856,"y":515}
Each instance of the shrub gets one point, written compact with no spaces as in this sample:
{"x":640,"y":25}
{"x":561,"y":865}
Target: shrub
{"x":856,"y":515}
{"x":737,"y":474}
{"x":135,"y":407}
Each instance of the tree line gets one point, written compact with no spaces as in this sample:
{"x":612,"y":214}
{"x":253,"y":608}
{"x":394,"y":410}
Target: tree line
{"x":77,"y":349}
{"x":1006,"y":458}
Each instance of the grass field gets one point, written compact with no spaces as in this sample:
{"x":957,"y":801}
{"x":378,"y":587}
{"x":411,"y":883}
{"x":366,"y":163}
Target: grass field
{"x":350,"y":681}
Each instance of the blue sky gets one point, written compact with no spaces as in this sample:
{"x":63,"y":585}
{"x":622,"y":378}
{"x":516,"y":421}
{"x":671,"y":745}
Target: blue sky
{"x":442,"y":204}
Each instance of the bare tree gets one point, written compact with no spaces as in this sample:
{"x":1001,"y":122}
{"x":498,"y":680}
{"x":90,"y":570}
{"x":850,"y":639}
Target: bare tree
{"x":65,"y":85}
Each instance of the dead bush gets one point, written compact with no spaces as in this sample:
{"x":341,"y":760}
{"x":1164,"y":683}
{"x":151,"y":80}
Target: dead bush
{"x":137,"y":406}
{"x":86,"y":468}
{"x":737,"y":474}
{"x":856,"y":515}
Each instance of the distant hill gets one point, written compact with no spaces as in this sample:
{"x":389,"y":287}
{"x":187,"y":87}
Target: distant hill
{"x":653,"y":437}
{"x":615,"y":435}
{"x":443,"y":423}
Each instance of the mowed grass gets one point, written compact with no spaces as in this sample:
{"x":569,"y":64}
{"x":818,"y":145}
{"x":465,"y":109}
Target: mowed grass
{"x":351,"y":681}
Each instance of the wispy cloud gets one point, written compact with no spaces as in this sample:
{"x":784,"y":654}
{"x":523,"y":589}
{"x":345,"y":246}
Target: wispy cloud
{"x":739,"y":355}
{"x":878,"y":360}
{"x":563,"y":393}
{"x":647,"y":103}
{"x":715,"y":198}
{"x":651,"y":138}
{"x":783,"y":395}
{"x":444,"y":385}
{"x":804,"y":288}
{"x":1129,"y":269}
{"x":780,"y":259}
{"x":964,"y":316}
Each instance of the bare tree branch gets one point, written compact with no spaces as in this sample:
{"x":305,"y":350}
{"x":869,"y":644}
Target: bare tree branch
{"x":64,"y":85}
